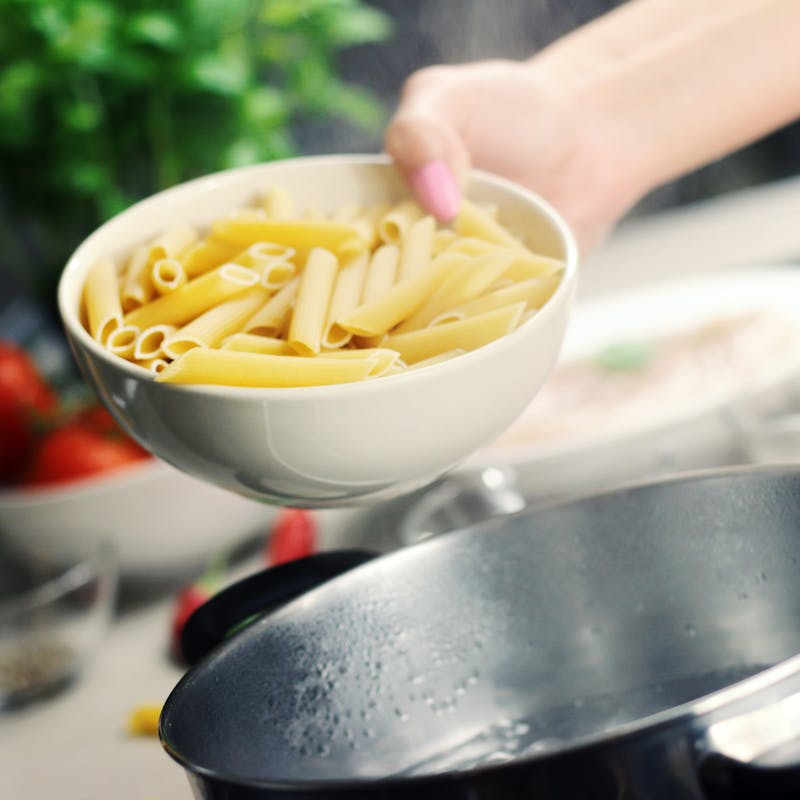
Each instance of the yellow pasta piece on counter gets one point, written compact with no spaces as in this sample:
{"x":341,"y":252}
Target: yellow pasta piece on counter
{"x":194,"y":297}
{"x":313,"y":299}
{"x":299,"y":234}
{"x":231,"y":368}
{"x":467,"y":334}
{"x":254,"y":343}
{"x":101,"y":296}
{"x":216,"y":324}
{"x":143,"y":720}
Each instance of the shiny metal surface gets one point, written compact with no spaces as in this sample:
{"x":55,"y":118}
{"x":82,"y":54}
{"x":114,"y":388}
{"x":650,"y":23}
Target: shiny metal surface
{"x":581,"y":650}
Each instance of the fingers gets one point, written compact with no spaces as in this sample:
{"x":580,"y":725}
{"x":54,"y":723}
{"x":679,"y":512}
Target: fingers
{"x":426,"y":147}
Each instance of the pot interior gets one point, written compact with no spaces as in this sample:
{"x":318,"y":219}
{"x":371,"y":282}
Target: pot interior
{"x":506,"y":640}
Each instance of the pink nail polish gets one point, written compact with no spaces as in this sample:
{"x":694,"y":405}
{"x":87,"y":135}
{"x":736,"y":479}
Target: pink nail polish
{"x":437,"y":190}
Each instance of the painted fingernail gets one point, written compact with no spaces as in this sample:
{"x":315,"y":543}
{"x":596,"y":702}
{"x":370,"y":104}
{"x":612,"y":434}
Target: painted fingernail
{"x":437,"y":190}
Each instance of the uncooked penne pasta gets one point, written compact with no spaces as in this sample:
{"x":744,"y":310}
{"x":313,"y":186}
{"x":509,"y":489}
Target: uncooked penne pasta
{"x":463,"y":283}
{"x":149,"y":342}
{"x":167,"y":275}
{"x":299,"y":234}
{"x":102,"y":299}
{"x":415,"y":248}
{"x":313,"y":299}
{"x":381,"y":272}
{"x":278,"y":203}
{"x":346,"y":296}
{"x":467,"y":334}
{"x":207,"y":255}
{"x":172,"y":243}
{"x":194,"y":297}
{"x":231,"y":368}
{"x":274,"y":295}
{"x":274,"y":316}
{"x":381,"y":314}
{"x":216,"y":324}
{"x":534,"y":292}
{"x":397,"y":220}
{"x":137,"y":288}
{"x":474,"y":221}
{"x":122,"y":341}
{"x":253,"y":343}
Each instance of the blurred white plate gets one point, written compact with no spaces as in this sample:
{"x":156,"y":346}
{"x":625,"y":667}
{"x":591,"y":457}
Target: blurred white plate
{"x":159,"y":520}
{"x":696,"y":431}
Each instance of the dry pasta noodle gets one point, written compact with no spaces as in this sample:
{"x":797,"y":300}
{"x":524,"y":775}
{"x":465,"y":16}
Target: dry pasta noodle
{"x":276,"y":296}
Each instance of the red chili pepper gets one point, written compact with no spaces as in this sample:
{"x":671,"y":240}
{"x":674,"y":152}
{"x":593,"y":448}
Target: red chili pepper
{"x":293,"y":536}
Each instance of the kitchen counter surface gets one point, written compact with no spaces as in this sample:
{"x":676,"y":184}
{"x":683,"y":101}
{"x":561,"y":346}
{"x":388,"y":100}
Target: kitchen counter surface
{"x":75,"y":746}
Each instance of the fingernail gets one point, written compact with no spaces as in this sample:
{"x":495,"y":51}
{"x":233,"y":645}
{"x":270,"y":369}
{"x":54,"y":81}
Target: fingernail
{"x":437,"y":190}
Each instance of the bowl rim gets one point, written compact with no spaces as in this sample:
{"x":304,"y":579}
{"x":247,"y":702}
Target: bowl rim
{"x":81,"y":337}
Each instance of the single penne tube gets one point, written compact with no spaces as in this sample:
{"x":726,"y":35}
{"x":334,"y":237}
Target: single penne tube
{"x":437,"y":359}
{"x":137,"y":288}
{"x":154,"y":365}
{"x":442,"y":239}
{"x":313,"y":299}
{"x":272,"y":318}
{"x":393,"y":225}
{"x":346,"y":296}
{"x":207,"y":255}
{"x":262,"y":252}
{"x":416,"y":247}
{"x":472,"y":220}
{"x":101,"y":296}
{"x":216,"y":324}
{"x":534,"y":292}
{"x":167,"y":275}
{"x":150,"y":341}
{"x":382,"y":313}
{"x":122,"y":341}
{"x":383,"y":357}
{"x":172,"y":243}
{"x":277,"y":273}
{"x":299,"y":234}
{"x":532,"y":265}
{"x":278,"y":203}
{"x":194,"y":297}
{"x":467,"y":334}
{"x":253,"y":343}
{"x":467,"y":281}
{"x":381,"y":272}
{"x":231,"y":368}
{"x":271,"y":261}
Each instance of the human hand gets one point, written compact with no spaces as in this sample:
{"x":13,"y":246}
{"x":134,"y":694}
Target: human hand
{"x":516,"y":120}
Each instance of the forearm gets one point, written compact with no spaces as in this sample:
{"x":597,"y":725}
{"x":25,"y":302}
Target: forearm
{"x":669,"y":85}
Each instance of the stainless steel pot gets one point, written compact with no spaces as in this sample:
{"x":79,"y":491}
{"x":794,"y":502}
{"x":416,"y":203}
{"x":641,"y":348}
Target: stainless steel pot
{"x":641,"y":643}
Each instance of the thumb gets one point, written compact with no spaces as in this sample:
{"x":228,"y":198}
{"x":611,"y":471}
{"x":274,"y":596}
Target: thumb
{"x":431,"y":157}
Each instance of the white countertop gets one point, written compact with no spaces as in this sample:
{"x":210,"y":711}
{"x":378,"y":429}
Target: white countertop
{"x":75,"y":746}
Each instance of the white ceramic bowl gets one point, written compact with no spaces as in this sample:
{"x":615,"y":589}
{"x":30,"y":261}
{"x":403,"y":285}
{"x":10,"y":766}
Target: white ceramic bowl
{"x":326,"y":445}
{"x":158,"y":520}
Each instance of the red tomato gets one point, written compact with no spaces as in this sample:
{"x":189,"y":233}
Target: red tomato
{"x":20,"y":379}
{"x":75,"y":451}
{"x":189,"y":599}
{"x":16,"y":438}
{"x":293,"y":536}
